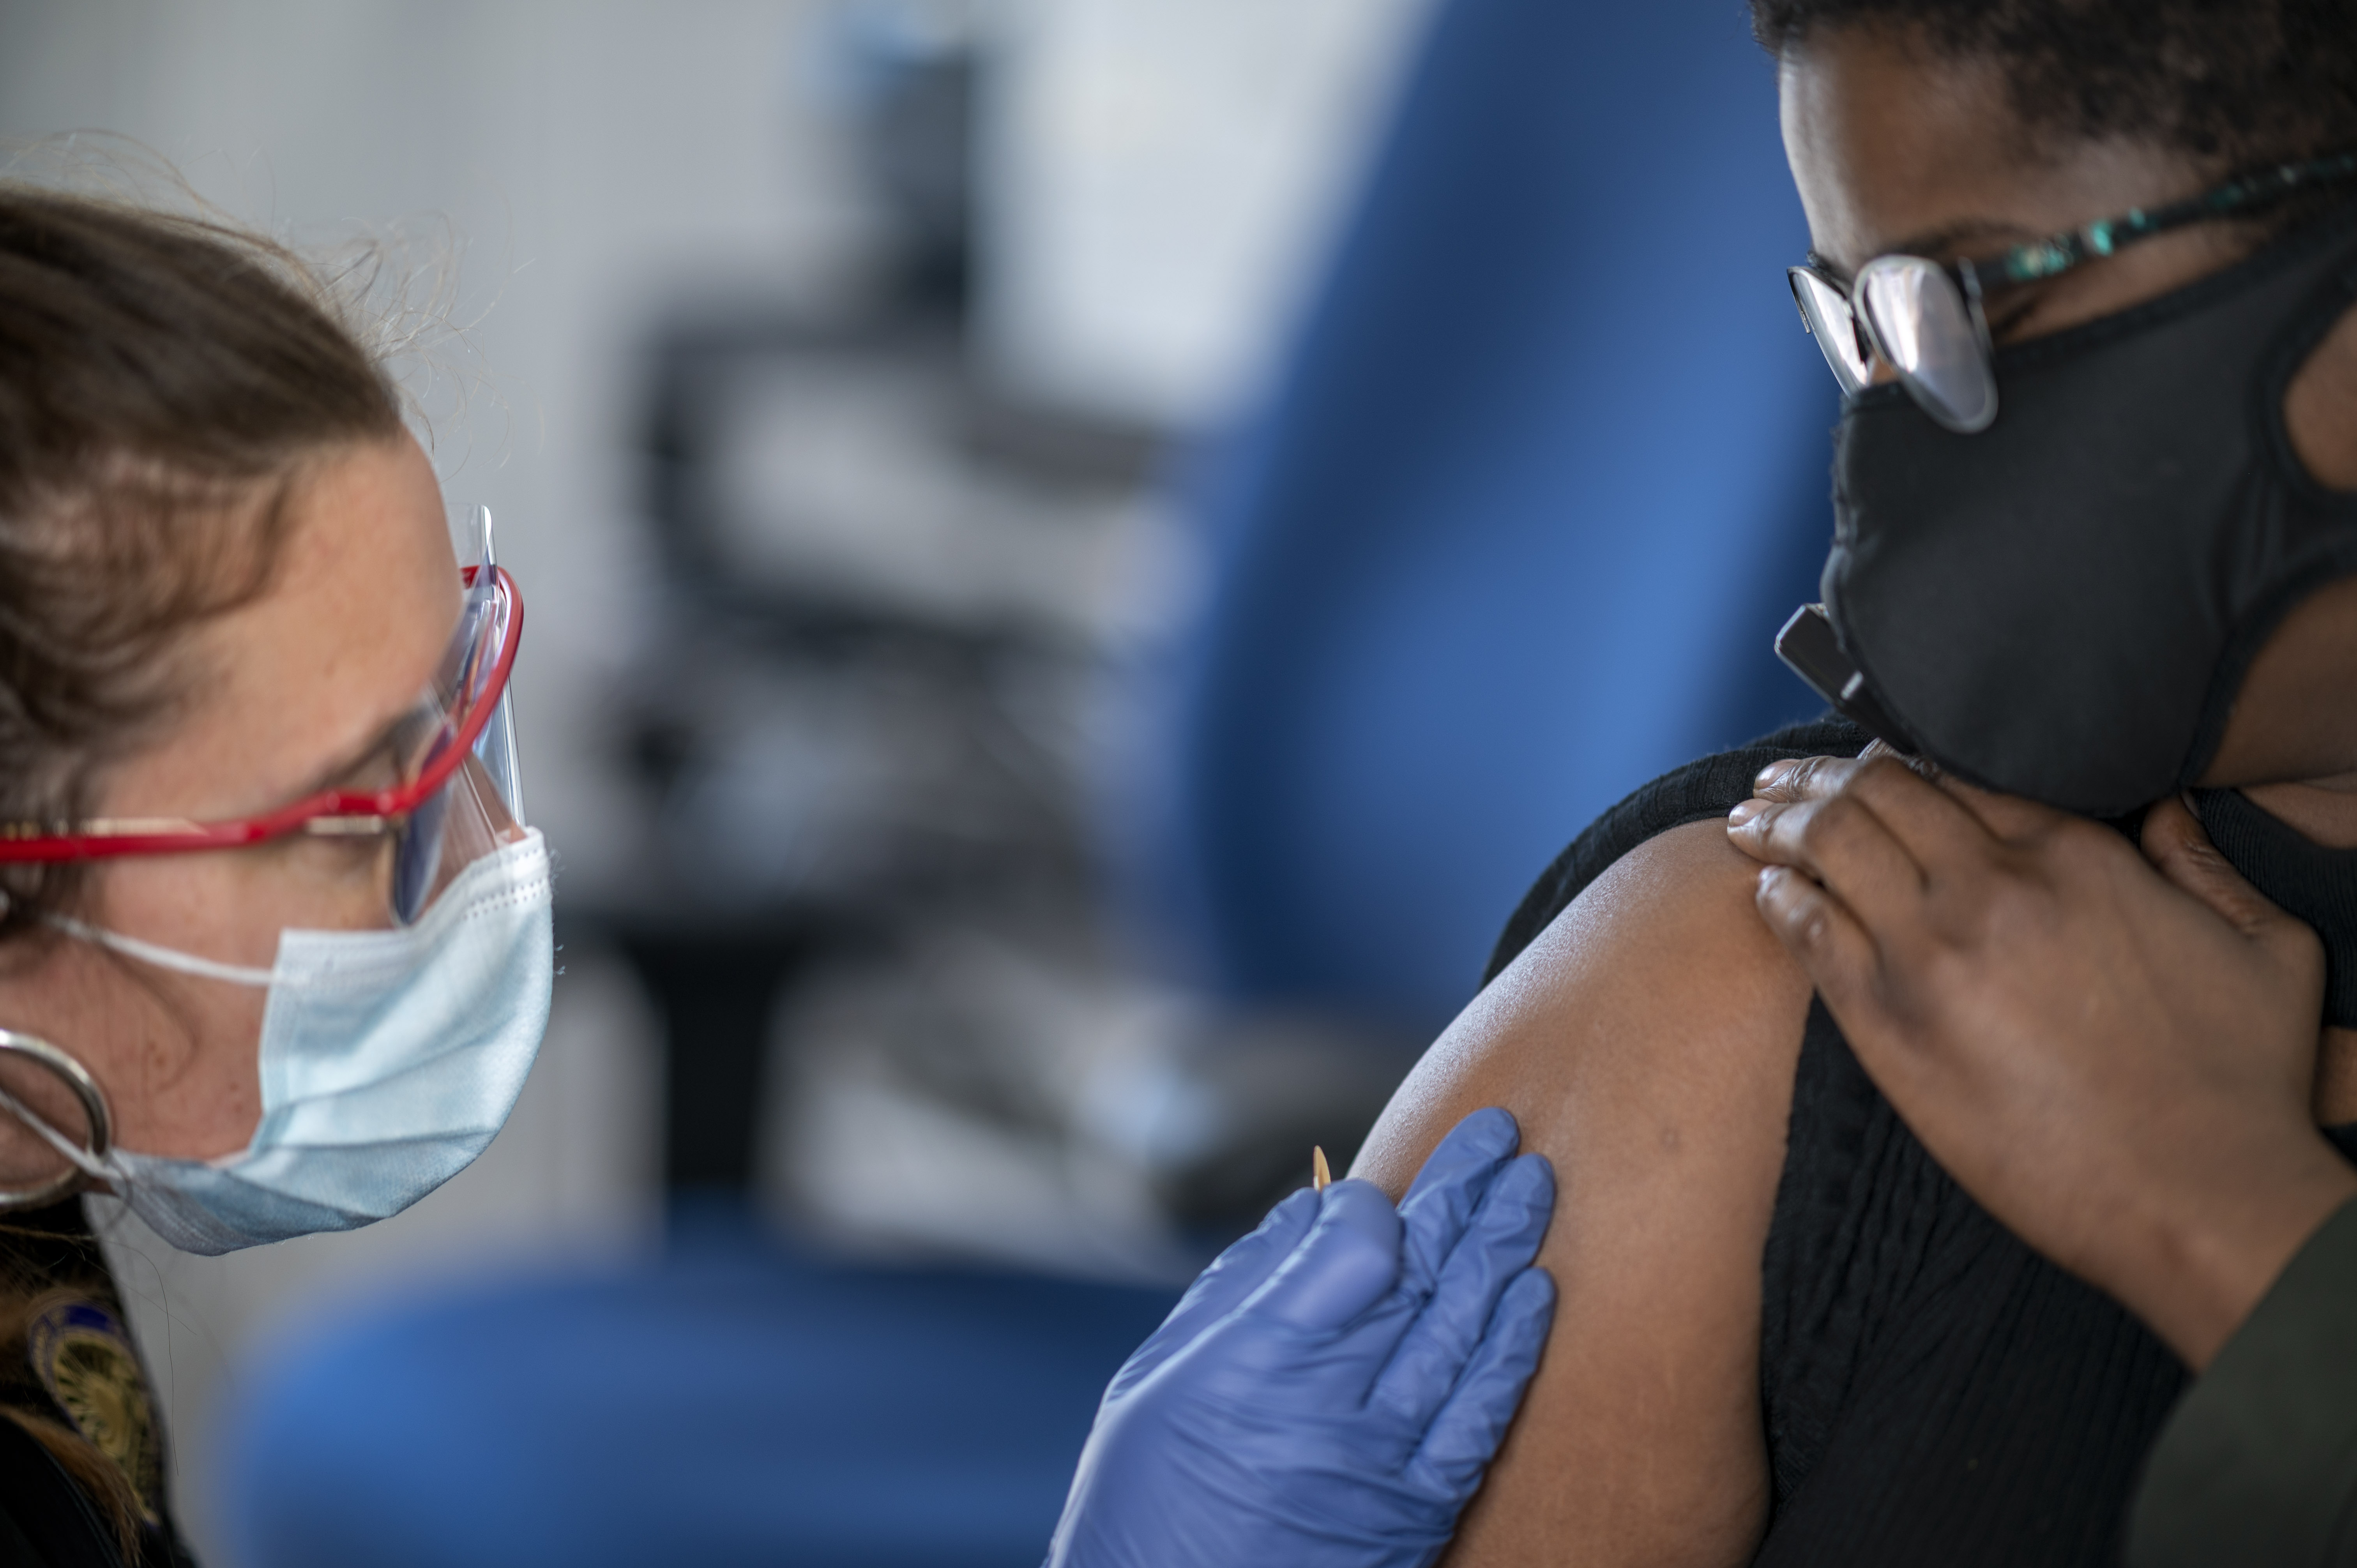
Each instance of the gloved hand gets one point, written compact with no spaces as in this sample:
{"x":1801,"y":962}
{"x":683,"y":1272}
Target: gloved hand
{"x":1329,"y":1393}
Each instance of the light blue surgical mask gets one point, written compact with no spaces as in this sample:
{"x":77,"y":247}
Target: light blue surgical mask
{"x":389,"y":1060}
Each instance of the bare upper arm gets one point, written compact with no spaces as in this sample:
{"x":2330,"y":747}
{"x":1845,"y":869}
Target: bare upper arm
{"x":1646,"y":1042}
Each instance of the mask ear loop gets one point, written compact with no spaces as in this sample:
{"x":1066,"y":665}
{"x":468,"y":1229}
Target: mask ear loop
{"x":87,"y":1161}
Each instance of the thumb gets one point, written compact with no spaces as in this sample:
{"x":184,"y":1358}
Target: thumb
{"x":2173,"y":841}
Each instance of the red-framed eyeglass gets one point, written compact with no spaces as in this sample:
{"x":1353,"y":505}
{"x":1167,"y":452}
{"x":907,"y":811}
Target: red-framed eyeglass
{"x":463,"y":714}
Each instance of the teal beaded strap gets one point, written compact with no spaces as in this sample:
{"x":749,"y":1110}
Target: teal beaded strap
{"x":2044,"y":258}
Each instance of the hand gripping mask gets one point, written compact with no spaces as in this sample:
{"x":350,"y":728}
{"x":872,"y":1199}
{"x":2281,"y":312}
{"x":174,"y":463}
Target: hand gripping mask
{"x":2064,"y":605}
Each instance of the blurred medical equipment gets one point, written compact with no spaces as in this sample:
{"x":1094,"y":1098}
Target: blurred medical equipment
{"x":899,"y":602}
{"x":896,"y":609}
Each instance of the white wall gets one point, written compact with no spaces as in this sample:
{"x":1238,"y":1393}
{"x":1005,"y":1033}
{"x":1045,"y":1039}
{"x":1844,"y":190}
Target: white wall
{"x":595,"y":157}
{"x":1164,"y":177}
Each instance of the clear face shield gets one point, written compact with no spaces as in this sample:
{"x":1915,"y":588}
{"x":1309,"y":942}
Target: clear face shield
{"x":386,"y":936}
{"x":438,"y":793}
{"x":462,"y":733}
{"x":451,"y":792}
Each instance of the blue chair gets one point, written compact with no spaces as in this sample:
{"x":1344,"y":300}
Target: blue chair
{"x":729,"y":1402}
{"x":1515,"y":525}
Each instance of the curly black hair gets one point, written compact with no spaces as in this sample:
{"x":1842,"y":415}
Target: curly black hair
{"x":2235,"y":83}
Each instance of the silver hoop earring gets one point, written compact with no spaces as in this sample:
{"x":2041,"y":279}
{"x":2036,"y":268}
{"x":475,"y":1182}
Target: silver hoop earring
{"x":86,"y":1162}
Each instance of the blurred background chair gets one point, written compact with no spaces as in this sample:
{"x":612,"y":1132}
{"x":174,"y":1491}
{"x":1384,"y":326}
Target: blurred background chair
{"x":1036,"y":747}
{"x":1513,"y":531}
{"x":734,"y":1405}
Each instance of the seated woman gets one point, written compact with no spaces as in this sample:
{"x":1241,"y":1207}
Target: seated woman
{"x":2097,"y":546}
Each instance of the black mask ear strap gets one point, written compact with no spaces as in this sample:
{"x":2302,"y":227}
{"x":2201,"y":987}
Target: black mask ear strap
{"x":2333,"y":297}
{"x":2308,"y":881}
{"x":2330,"y":299}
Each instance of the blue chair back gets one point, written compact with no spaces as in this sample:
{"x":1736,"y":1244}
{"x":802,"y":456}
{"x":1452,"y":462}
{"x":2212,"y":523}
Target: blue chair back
{"x":1515,"y":525}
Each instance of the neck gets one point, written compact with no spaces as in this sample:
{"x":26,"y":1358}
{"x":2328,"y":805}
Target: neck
{"x":2323,"y":811}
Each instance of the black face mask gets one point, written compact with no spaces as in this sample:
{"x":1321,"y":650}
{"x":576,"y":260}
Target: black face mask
{"x":2064,"y":605}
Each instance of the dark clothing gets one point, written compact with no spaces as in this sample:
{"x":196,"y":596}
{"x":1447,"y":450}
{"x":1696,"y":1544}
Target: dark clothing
{"x":67,"y":1363}
{"x":1934,"y":1392}
{"x":2259,"y":1463}
{"x":2307,"y":880}
{"x":1699,"y":791}
{"x":46,"y":1520}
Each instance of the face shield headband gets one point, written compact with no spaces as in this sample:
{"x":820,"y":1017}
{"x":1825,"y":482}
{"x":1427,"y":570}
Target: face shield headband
{"x":459,"y":795}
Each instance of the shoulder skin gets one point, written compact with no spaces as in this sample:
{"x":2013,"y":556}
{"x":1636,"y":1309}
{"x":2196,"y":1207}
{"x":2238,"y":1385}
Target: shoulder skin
{"x":1647,"y":1043}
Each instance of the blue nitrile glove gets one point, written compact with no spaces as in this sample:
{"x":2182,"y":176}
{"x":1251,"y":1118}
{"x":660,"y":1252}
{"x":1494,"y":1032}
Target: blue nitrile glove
{"x":1329,"y":1392}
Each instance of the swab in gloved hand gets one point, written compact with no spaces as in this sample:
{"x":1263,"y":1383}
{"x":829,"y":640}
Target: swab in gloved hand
{"x":1329,"y":1392}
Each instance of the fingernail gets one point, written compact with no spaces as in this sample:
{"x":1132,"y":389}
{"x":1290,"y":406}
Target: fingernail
{"x":1744,"y":811}
{"x":1774,"y":774}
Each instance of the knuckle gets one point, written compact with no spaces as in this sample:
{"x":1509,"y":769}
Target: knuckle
{"x":1975,"y":910}
{"x":2019,"y":898}
{"x":1884,"y":776}
{"x":1803,"y":778}
{"x":1882,"y":771}
{"x":2200,"y":853}
{"x":1830,"y":820}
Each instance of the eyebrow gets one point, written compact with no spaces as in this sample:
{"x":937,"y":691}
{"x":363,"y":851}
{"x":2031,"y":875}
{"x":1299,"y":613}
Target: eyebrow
{"x":1931,"y":242}
{"x":337,"y":774}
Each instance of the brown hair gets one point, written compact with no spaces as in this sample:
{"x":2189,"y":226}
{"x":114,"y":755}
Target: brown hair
{"x":163,"y":377}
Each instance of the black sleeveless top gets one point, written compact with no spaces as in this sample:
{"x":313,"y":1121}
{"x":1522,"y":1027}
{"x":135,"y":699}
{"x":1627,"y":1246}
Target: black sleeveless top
{"x":1935,"y":1392}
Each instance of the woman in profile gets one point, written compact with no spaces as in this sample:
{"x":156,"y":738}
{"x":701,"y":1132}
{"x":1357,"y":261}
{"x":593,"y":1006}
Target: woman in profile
{"x":2085,"y":268}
